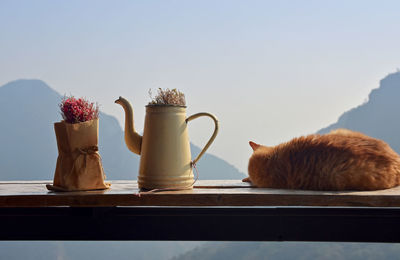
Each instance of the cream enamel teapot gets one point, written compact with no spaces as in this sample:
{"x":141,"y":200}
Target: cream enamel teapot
{"x":164,"y":148}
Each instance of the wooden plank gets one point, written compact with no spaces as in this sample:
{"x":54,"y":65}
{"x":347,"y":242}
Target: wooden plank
{"x":205,"y":193}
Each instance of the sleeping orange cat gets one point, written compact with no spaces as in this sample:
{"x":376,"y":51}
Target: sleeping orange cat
{"x":340,"y":160}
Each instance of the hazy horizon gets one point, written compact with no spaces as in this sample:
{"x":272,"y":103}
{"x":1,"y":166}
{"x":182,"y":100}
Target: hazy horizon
{"x":268,"y":70}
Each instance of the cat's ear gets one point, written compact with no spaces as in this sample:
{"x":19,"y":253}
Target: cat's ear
{"x":254,"y":145}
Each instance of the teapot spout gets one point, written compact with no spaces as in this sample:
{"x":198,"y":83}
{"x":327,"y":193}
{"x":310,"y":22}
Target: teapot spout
{"x":132,"y":139}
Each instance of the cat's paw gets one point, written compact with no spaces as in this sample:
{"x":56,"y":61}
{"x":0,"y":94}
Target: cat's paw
{"x":247,"y":179}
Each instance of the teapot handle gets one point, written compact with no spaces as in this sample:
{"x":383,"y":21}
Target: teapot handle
{"x":212,"y":137}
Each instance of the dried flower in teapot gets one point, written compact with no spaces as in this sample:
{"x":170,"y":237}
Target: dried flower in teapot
{"x":78,"y":110}
{"x":168,"y":97}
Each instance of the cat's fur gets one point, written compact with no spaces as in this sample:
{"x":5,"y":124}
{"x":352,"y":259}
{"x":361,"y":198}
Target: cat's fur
{"x":340,"y":160}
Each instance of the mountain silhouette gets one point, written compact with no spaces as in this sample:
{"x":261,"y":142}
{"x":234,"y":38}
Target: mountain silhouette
{"x":379,"y":116}
{"x":28,"y":151}
{"x":28,"y":146}
{"x":291,"y":250}
{"x":99,"y":250}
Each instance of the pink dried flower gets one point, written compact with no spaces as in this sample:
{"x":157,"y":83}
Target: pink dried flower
{"x":78,"y":110}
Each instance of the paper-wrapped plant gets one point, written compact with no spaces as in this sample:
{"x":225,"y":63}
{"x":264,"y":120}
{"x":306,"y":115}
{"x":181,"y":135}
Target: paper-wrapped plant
{"x":79,"y":164}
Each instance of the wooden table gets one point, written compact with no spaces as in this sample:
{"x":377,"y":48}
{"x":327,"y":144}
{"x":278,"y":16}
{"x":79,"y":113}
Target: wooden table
{"x":213,"y":210}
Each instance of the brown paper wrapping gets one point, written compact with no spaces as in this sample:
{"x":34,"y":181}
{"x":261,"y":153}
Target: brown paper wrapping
{"x":79,"y":163}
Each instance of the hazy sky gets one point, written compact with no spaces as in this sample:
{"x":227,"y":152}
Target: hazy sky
{"x":269,"y":70}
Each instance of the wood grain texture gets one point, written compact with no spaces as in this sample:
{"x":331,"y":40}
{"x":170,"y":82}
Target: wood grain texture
{"x":205,"y":193}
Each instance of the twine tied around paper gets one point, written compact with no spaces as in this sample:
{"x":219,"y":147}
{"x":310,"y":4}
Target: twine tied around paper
{"x":91,"y":150}
{"x":88,"y":150}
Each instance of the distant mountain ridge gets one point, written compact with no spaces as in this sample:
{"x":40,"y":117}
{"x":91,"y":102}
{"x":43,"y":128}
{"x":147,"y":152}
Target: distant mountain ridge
{"x":379,"y":117}
{"x":28,"y":147}
{"x":291,"y":250}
